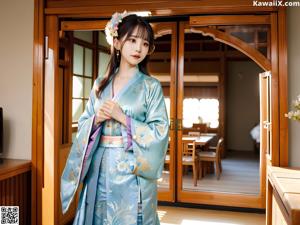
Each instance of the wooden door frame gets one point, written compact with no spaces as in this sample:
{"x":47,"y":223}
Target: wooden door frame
{"x":97,"y":9}
{"x":170,"y":28}
{"x":213,"y":198}
{"x":278,"y":82}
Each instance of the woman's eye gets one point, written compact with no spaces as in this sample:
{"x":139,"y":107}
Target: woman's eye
{"x":146,"y":44}
{"x":132,"y":40}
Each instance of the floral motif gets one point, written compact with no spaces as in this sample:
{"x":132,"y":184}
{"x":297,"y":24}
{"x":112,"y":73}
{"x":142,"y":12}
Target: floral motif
{"x":72,"y":176}
{"x":111,"y":29}
{"x":122,"y":213}
{"x":143,"y":164}
{"x":122,"y":166}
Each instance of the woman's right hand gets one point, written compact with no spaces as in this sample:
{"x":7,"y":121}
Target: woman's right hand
{"x":100,"y":116}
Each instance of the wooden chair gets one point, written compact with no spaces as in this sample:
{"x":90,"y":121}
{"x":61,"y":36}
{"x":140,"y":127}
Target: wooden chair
{"x":189,"y":157}
{"x":202,"y":127}
{"x":212,"y":156}
{"x":167,"y":158}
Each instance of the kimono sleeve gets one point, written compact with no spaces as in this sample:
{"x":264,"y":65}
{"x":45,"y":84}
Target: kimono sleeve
{"x":87,"y":118}
{"x":150,"y":137}
{"x":73,"y":168}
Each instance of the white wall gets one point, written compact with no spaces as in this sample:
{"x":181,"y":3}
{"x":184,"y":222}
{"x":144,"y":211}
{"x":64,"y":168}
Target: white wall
{"x":242,"y":103}
{"x":16,"y":45}
{"x":294,"y":81}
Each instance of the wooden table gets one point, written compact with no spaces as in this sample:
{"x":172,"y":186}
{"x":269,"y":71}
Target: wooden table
{"x":202,"y":140}
{"x":13,"y":167}
{"x":283,"y":203}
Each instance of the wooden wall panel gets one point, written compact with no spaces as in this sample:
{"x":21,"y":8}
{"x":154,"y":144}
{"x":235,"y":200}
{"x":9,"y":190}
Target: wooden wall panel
{"x":15,"y":187}
{"x":196,"y":92}
{"x":15,"y":191}
{"x":94,"y":8}
{"x":275,"y":156}
{"x":283,"y":87}
{"x":208,"y":4}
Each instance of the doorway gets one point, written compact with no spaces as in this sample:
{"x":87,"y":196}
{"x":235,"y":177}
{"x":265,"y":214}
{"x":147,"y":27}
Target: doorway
{"x":199,"y":119}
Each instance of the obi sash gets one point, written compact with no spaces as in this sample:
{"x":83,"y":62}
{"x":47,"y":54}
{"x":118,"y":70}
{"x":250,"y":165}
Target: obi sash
{"x":111,"y":141}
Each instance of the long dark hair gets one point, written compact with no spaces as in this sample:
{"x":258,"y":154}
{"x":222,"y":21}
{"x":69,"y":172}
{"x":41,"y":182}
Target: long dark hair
{"x":126,"y":27}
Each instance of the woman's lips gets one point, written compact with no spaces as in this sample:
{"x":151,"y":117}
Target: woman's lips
{"x":136,"y":56}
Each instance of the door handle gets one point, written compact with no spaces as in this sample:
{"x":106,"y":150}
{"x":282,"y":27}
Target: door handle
{"x":179,"y":124}
{"x":172,"y":125}
{"x":267,"y":125}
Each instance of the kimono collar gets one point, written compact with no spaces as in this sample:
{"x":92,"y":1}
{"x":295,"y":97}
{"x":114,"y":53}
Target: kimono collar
{"x":129,"y":83}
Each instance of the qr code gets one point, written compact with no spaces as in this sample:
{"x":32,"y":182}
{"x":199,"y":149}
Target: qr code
{"x":9,"y":215}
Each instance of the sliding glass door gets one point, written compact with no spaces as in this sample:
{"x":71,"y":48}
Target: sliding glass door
{"x":162,"y":66}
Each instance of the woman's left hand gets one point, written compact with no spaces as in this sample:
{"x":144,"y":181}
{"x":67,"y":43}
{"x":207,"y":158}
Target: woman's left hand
{"x":112,"y":109}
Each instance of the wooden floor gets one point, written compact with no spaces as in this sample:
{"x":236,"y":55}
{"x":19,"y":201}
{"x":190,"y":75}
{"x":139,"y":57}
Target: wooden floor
{"x":240,"y":175}
{"x":190,"y":216}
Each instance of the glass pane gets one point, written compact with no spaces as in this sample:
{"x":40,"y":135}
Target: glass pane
{"x":242,"y":115}
{"x":159,"y":67}
{"x":103,"y":62}
{"x":200,"y":104}
{"x":87,"y":87}
{"x":102,"y":40}
{"x":78,"y":60}
{"x":244,"y":36}
{"x":88,"y":66}
{"x":203,"y":110}
{"x":257,"y":36}
{"x":77,"y":109}
{"x":84,"y":35}
{"x":203,"y":168}
{"x":77,"y":87}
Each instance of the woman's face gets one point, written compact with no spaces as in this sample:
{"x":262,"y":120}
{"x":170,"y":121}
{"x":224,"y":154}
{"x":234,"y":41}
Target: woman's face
{"x":134,"y":49}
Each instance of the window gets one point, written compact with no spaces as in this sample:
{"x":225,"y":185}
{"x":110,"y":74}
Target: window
{"x":206,"y":110}
{"x":193,"y":108}
{"x":82,"y":79}
{"x":91,"y":54}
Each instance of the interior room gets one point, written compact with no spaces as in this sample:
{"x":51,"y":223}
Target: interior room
{"x":229,"y":77}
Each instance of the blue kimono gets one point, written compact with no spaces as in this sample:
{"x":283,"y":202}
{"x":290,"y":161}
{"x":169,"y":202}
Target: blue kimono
{"x":119,"y":184}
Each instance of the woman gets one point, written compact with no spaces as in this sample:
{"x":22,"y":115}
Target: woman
{"x":122,"y":136}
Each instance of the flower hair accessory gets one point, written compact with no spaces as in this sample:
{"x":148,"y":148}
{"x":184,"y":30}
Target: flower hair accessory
{"x":111,"y":29}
